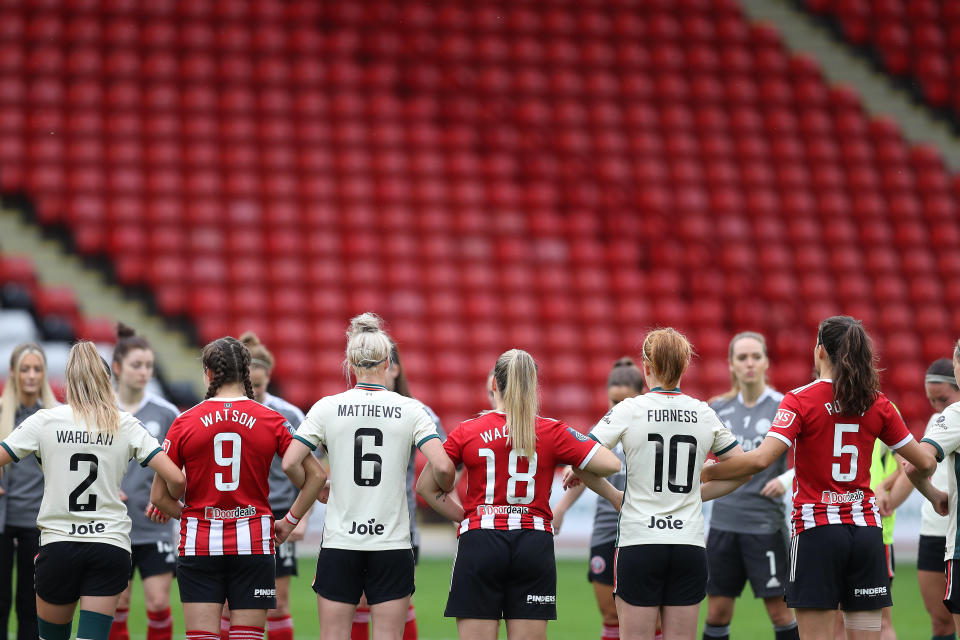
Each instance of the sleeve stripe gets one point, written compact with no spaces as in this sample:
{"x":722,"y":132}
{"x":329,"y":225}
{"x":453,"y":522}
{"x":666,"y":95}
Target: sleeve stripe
{"x":779,"y":436}
{"x":589,"y":456}
{"x":902,"y":442}
{"x":593,"y":437}
{"x":927,"y":440}
{"x":10,"y":451}
{"x":429,"y":437}
{"x":304,"y":441}
{"x":150,"y":457}
{"x":720,"y":453}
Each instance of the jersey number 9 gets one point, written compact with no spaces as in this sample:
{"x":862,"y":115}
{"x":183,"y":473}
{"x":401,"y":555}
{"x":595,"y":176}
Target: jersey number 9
{"x":232,"y":461}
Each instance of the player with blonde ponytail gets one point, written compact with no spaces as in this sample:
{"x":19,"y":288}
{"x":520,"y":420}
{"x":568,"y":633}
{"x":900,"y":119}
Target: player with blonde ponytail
{"x":504,"y":529}
{"x":85,"y":446}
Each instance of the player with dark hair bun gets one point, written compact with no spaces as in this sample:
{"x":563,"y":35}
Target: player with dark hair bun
{"x":625,"y":380}
{"x":837,"y":555}
{"x":226,"y":445}
{"x":152,"y":542}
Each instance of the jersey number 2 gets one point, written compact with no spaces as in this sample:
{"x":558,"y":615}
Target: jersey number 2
{"x":73,"y":503}
{"x":840,"y":450}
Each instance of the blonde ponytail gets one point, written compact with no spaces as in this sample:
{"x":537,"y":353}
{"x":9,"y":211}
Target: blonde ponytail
{"x":89,"y":392}
{"x":516,"y":377}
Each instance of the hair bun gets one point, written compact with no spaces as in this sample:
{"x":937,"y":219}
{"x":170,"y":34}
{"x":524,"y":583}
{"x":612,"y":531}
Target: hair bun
{"x":249,"y":339}
{"x":364,"y":323}
{"x":625,"y":361}
{"x":124,"y":331}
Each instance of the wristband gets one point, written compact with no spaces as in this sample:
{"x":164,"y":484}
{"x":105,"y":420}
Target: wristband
{"x":289,"y":518}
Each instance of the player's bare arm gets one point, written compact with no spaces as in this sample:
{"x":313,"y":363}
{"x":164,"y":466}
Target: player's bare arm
{"x":921,"y":479}
{"x":160,"y":498}
{"x":719,"y":488}
{"x":441,"y":467}
{"x":922,"y":455}
{"x":314,"y":479}
{"x":746,"y":464}
{"x":446,"y":503}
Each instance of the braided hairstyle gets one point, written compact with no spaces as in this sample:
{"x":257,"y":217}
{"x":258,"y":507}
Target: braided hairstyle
{"x":229,"y":361}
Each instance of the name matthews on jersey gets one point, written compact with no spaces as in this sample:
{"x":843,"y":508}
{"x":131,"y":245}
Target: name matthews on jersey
{"x":368,"y":411}
{"x":84,"y":437}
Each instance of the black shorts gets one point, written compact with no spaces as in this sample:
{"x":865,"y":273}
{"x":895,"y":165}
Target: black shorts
{"x":930,"y":553}
{"x":951,"y":599}
{"x":247,"y":582}
{"x":510,"y":575}
{"x":64,"y":571}
{"x":838,"y":565}
{"x":601,"y":563}
{"x":655,"y":575}
{"x":733,"y":558}
{"x":153,"y":559}
{"x":343,"y":575}
{"x":286,"y":559}
{"x":891,"y":562}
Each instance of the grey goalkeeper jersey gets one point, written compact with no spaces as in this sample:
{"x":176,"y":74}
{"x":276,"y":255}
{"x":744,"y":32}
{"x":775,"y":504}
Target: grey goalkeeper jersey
{"x":283,"y":493}
{"x":412,"y":480}
{"x":606,"y":517}
{"x":156,"y":415}
{"x":745,"y":510}
{"x":23,"y":483}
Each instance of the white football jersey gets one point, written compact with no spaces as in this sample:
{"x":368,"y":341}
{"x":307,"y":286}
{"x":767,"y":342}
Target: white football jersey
{"x":82,"y":472}
{"x":944,"y":435}
{"x":368,"y":432}
{"x":666,"y":438}
{"x":931,"y":522}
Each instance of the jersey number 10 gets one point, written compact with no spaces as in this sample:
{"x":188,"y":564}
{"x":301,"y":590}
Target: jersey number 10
{"x":673,"y":483}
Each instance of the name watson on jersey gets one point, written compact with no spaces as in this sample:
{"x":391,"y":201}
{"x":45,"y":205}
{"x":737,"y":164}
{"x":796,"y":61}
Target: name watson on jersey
{"x":232,"y":415}
{"x":80,"y":436}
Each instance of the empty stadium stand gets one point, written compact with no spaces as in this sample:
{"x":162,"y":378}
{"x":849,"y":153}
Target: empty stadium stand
{"x":917,"y":40}
{"x":549,"y":175}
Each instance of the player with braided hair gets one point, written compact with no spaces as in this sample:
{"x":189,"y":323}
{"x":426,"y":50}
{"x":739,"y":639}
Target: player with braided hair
{"x":226,"y":445}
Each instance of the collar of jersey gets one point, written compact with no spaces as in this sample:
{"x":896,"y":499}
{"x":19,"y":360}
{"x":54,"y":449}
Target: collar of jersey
{"x":229,"y":399}
{"x":366,"y":386}
{"x":666,"y":392}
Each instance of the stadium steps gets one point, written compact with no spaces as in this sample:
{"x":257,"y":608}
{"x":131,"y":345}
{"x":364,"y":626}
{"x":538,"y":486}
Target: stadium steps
{"x":841,"y":65}
{"x":96,"y":297}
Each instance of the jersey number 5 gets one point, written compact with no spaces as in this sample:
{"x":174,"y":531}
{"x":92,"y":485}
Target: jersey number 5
{"x":840,"y":450}
{"x":672,"y":484}
{"x":73,"y":502}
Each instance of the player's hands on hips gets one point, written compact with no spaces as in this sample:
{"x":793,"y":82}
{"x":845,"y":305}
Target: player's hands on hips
{"x":282,"y":529}
{"x":773,"y":489}
{"x":570,"y":479}
{"x":883,"y":504}
{"x":155,"y":515}
{"x":942,"y":504}
{"x":557,"y":521}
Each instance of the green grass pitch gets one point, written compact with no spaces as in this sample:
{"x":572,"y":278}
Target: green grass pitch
{"x":578,"y":616}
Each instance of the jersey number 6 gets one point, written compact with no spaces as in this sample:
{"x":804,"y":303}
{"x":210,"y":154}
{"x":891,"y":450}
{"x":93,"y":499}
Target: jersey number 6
{"x":359,"y":457}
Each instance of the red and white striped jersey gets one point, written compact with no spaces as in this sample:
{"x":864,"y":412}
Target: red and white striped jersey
{"x":506,"y":490}
{"x":226,"y":446}
{"x":832,"y":455}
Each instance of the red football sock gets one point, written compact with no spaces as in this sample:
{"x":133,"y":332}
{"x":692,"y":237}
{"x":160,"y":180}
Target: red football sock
{"x":659,"y":635}
{"x":159,"y":625}
{"x":610,"y":632}
{"x":201,"y":635}
{"x":118,"y":629}
{"x":361,"y":625}
{"x":224,"y":627}
{"x":280,"y":628}
{"x":410,"y":629}
{"x":242,"y":632}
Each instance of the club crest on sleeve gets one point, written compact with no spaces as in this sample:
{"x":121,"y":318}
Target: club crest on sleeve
{"x":942,"y":421}
{"x":166,"y":445}
{"x":784,"y":418}
{"x":576,"y":434}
